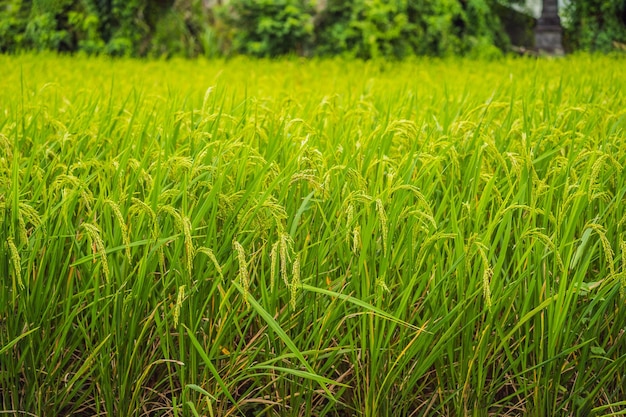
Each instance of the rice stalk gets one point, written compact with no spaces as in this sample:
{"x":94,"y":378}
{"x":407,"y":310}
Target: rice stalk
{"x":285,"y":244}
{"x":209,"y":253}
{"x":487,"y":275}
{"x":179,"y":302}
{"x":243,"y":271}
{"x":22,"y":228}
{"x":607,"y":250}
{"x":16,"y":261}
{"x":139,"y":206}
{"x":120,"y":219}
{"x":356,"y":239}
{"x":295,"y":282}
{"x":273,"y":263}
{"x":549,"y":243}
{"x":595,"y":171}
{"x":382,"y":216}
{"x":189,"y":250}
{"x":349,"y":218}
{"x":94,"y":236}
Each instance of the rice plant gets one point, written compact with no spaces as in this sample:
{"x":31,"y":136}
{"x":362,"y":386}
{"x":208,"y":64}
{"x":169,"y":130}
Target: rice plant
{"x":322,"y":237}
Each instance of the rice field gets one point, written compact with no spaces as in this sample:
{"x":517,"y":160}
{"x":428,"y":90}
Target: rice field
{"x":312,"y":237}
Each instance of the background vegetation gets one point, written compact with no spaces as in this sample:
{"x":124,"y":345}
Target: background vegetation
{"x":306,"y":237}
{"x":359,"y":28}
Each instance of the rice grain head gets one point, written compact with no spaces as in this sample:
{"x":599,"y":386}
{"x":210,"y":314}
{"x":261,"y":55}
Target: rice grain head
{"x":94,"y":235}
{"x":383,"y":285}
{"x":141,"y":207}
{"x":549,"y":243}
{"x":356,"y":239}
{"x":487,"y":273}
{"x":243,"y":271}
{"x":179,"y":302}
{"x":22,"y":228}
{"x":15,"y":259}
{"x":382,"y":216}
{"x":209,"y":253}
{"x":295,"y":282}
{"x":189,"y":251}
{"x":284,"y":245}
{"x":120,"y":219}
{"x":179,"y":223}
{"x":607,"y":250}
{"x":30,"y":214}
{"x":273,"y":264}
{"x":349,"y":217}
{"x":595,"y":170}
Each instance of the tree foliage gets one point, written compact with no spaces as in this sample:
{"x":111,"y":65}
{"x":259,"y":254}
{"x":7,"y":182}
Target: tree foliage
{"x":597,"y":25}
{"x":271,"y":27}
{"x":114,"y":27}
{"x":372,"y":28}
{"x":358,"y":28}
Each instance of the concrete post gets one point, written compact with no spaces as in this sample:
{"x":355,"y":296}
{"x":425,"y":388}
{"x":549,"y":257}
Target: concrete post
{"x":549,"y":33}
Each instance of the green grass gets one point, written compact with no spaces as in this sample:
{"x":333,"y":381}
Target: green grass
{"x":328,"y":238}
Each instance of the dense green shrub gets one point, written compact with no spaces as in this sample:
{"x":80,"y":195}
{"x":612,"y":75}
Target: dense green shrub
{"x":114,"y":27}
{"x":596,"y":25}
{"x":271,"y":27}
{"x":358,"y":28}
{"x":179,"y":28}
{"x":37,"y":25}
{"x":372,"y":28}
{"x":12,"y":23}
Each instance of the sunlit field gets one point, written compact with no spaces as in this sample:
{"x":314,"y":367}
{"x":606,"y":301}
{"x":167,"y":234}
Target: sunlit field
{"x":312,"y":237}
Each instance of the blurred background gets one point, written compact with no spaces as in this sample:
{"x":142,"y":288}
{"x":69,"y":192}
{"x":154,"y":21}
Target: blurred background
{"x":366,"y":29}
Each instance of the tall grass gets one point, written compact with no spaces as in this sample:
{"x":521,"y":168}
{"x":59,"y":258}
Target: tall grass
{"x":329,"y":238}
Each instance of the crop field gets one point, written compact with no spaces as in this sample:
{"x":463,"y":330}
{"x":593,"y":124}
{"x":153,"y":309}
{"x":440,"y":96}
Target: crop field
{"x":312,"y":237}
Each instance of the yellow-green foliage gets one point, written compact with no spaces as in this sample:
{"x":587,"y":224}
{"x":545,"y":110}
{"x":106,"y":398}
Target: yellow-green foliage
{"x":321,"y":237}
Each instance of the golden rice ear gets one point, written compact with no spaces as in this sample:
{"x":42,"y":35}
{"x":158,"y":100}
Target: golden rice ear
{"x":273,"y":264}
{"x":189,"y":251}
{"x":607,"y":250}
{"x":22,"y":228}
{"x":349,"y":218}
{"x":295,"y":282}
{"x":94,"y":235}
{"x":243,"y":271}
{"x":120,"y":219}
{"x":356,"y":240}
{"x":382,"y":216}
{"x":141,"y":207}
{"x":208,"y":252}
{"x":183,"y":224}
{"x":549,"y":243}
{"x":179,"y":302}
{"x":16,"y":261}
{"x":487,"y":274}
{"x":285,"y":244}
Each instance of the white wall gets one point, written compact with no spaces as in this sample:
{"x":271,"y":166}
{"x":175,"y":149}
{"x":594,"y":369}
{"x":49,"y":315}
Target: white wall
{"x":533,"y":7}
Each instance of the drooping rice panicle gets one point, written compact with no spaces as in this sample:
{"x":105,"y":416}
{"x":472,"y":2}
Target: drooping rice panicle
{"x":295,"y":282}
{"x":179,"y":302}
{"x":95,"y":238}
{"x":312,"y":237}
{"x":209,"y":253}
{"x":124,"y":229}
{"x":273,"y":263}
{"x":16,"y":261}
{"x":382,"y":217}
{"x":243,"y":270}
